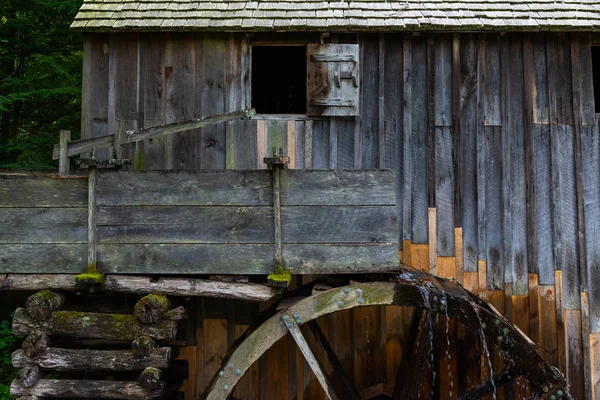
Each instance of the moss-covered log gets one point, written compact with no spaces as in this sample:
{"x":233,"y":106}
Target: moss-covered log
{"x":100,"y":360}
{"x":143,"y":346}
{"x":150,"y":378}
{"x":41,"y":304}
{"x":69,"y":389}
{"x":93,"y":326}
{"x":35,"y":343}
{"x":151,"y":308}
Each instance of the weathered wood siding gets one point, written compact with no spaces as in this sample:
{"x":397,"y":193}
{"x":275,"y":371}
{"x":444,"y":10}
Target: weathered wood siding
{"x":493,"y":136}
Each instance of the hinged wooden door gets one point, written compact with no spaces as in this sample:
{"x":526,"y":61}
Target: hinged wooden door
{"x":333,"y":79}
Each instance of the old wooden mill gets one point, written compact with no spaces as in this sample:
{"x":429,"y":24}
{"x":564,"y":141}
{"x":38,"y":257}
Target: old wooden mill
{"x":425,"y":226}
{"x":276,"y":222}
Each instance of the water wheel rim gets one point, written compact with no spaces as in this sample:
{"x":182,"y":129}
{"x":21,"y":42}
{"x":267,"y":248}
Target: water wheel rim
{"x":429,"y":294}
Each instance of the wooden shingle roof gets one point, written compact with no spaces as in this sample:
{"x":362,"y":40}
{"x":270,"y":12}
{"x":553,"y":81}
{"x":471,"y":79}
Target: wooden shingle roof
{"x":372,"y":15}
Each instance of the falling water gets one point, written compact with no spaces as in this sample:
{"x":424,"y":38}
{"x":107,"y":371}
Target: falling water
{"x":427,"y":300}
{"x":485,"y":348}
{"x":444,"y":305}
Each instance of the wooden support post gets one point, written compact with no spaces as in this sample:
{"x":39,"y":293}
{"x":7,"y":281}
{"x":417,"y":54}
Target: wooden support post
{"x":118,"y":150}
{"x":92,"y":179}
{"x":63,"y":160}
{"x":309,"y":356}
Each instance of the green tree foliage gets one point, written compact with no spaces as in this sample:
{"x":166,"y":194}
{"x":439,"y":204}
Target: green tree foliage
{"x":40,"y":79}
{"x":8,"y":344}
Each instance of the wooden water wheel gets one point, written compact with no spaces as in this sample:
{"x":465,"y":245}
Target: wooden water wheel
{"x":429,"y":296}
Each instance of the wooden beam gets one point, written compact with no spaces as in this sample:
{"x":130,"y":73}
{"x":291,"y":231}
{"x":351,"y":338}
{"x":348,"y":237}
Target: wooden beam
{"x":57,"y":359}
{"x":66,"y":388}
{"x":309,"y":356}
{"x":336,"y":365}
{"x":81,"y":146}
{"x":143,"y":285}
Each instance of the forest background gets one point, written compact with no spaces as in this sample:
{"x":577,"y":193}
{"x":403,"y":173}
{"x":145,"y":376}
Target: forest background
{"x":40,"y":80}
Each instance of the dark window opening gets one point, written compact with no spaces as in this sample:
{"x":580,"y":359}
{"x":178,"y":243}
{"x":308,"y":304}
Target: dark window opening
{"x":596,"y":76}
{"x":279,"y":79}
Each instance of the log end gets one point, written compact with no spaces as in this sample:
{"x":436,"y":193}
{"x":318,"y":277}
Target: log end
{"x":29,"y":376}
{"x":151,"y":308}
{"x":150,"y":378}
{"x":35,"y":343}
{"x":41,"y":304}
{"x":143,"y":346}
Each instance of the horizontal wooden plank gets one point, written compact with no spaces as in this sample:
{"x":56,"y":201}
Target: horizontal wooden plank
{"x":43,"y":258}
{"x":70,"y":389}
{"x":186,"y":224}
{"x":18,"y":190}
{"x":43,"y":225}
{"x":186,"y":258}
{"x":184,"y":188}
{"x":322,"y":258}
{"x":338,"y":187}
{"x":326,"y":224}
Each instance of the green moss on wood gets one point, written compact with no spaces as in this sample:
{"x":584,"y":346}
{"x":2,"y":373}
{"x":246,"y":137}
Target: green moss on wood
{"x":281,"y":276}
{"x":91,"y":276}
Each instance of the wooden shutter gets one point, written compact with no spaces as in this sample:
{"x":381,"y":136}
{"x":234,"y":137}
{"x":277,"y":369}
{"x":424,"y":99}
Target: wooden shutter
{"x":333,"y":79}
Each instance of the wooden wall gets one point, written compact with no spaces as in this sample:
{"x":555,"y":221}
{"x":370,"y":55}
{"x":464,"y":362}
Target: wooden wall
{"x":494,"y":137}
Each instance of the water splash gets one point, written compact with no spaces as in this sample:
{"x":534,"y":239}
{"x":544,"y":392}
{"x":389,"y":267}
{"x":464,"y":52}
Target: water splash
{"x":485,"y":348}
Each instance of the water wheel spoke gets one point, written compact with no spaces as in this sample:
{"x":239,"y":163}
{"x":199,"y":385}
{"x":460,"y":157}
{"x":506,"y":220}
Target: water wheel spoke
{"x":484,"y":388}
{"x":309,"y":356}
{"x":414,"y":365}
{"x":339,"y":374}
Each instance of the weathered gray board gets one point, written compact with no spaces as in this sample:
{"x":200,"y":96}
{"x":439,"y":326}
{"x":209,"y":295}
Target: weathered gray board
{"x":186,"y":222}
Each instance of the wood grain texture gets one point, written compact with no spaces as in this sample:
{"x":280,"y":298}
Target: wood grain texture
{"x":444,"y":192}
{"x":43,"y":258}
{"x":494,"y":208}
{"x":87,"y":389}
{"x":43,"y":225}
{"x":42,"y":191}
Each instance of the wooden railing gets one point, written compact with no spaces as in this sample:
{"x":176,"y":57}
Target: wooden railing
{"x":66,"y":149}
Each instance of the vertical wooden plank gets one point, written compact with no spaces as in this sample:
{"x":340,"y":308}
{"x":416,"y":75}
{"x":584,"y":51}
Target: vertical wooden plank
{"x":419,"y":143}
{"x":534,"y":308}
{"x":91,"y":246}
{"x":568,"y":261}
{"x":444,"y":192}
{"x":574,"y":349}
{"x":370,"y":102}
{"x":481,"y":154}
{"x":432,"y":240}
{"x":492,"y":107}
{"x":278,"y":378}
{"x":261,"y":143}
{"x":201,"y":381}
{"x":180,"y":78}
{"x":443,"y":81}
{"x":468,"y":149}
{"x":548,"y":344}
{"x":215,"y":337}
{"x":460,"y":264}
{"x":291,"y":143}
{"x":97,"y":107}
{"x":154,"y":99}
{"x":358,"y":147}
{"x":344,"y":132}
{"x":431,"y":93}
{"x":595,"y":364}
{"x":381,"y":102}
{"x":494,"y":208}
{"x":586,"y":75}
{"x":188,"y":387}
{"x":541,"y":101}
{"x":211,"y":89}
{"x":516,"y":256}
{"x":543,"y":245}
{"x":407,"y":133}
{"x":392,"y":113}
{"x":585,"y":348}
{"x":247,"y":388}
{"x":320,"y":144}
{"x":591,"y":195}
{"x":368,"y":366}
{"x":564,"y":84}
{"x":308,"y":144}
